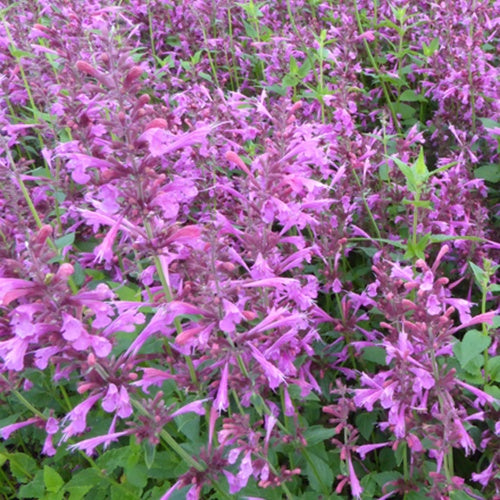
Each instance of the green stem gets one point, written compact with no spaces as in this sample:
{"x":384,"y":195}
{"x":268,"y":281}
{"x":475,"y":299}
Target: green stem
{"x":375,"y":66}
{"x":169,"y":297}
{"x":365,"y":203}
{"x":188,"y":459}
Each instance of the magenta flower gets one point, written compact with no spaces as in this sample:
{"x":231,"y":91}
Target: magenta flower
{"x":273,"y":374}
{"x":7,"y":430}
{"x":12,"y":289}
{"x":89,"y":445}
{"x":356,"y":488}
{"x":117,"y":401}
{"x":77,"y":417}
{"x":382,"y":390}
{"x":221,"y":402}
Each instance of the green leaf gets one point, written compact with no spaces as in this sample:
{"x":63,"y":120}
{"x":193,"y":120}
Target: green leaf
{"x":319,"y":473}
{"x":305,"y":69}
{"x":460,"y":495}
{"x":22,"y":466}
{"x":489,"y":123}
{"x":383,"y":172}
{"x":375,"y":355}
{"x":410,"y":96}
{"x":294,"y":67}
{"x":149,"y":453}
{"x":490,"y":172}
{"x":365,"y":423}
{"x":405,"y":110}
{"x":87,"y":478}
{"x":137,"y":475}
{"x":411,"y":180}
{"x":317,"y":433}
{"x":34,"y":489}
{"x":493,"y":368}
{"x":290,"y":80}
{"x":18,"y":53}
{"x":78,"y":492}
{"x":53,"y":481}
{"x":189,"y":425}
{"x":400,"y":452}
{"x":473,"y":344}
{"x":421,"y":168}
{"x":64,"y":241}
{"x":480,"y":277}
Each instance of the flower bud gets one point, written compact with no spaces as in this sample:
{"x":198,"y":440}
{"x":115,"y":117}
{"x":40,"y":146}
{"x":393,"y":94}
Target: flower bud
{"x":157,"y":123}
{"x":86,"y":68}
{"x":65,"y":271}
{"x":132,"y":75}
{"x":43,"y":234}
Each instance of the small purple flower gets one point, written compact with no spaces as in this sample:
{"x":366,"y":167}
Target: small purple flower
{"x":221,"y":402}
{"x":89,"y":445}
{"x":117,"y":400}
{"x":7,"y":430}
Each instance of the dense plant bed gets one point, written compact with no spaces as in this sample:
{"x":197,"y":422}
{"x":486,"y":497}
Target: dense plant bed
{"x":249,"y":250}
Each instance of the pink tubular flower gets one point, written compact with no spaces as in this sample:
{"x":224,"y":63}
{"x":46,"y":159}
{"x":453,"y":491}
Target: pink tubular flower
{"x":13,"y":351}
{"x":380,"y":391}
{"x":194,"y":407}
{"x":7,"y":430}
{"x":273,"y":374}
{"x":105,"y":249}
{"x":356,"y":488}
{"x":117,"y":400}
{"x":78,"y":417}
{"x":89,"y":445}
{"x":221,"y":402}
{"x":366,"y":448}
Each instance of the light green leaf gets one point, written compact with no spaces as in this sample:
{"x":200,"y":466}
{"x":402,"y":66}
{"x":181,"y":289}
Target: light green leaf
{"x":473,"y":344}
{"x":53,"y":481}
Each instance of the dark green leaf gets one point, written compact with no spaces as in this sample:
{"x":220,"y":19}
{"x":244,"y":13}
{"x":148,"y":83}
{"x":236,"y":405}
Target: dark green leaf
{"x":490,"y":172}
{"x":317,"y":434}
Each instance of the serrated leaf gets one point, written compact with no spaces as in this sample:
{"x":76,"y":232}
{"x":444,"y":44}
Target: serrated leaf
{"x":411,"y":180}
{"x":489,"y":123}
{"x":400,"y":453}
{"x":86,"y":477}
{"x":114,"y":458}
{"x":22,"y":466}
{"x":53,"y":481}
{"x":34,"y":489}
{"x":319,"y":474}
{"x":421,"y":171}
{"x":290,"y":80}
